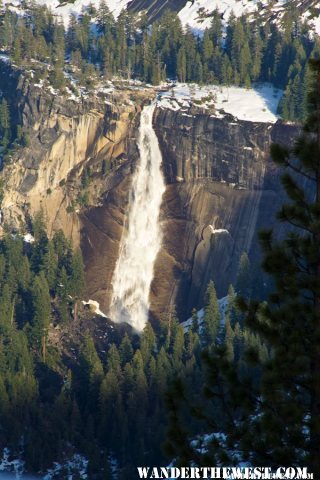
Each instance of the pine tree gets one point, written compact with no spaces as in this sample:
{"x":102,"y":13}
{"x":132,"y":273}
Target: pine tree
{"x":39,"y":225}
{"x":110,"y":400}
{"x":126,"y":350}
{"x":56,"y":76}
{"x":4,"y":401}
{"x":211,"y":318}
{"x":16,"y":54}
{"x":72,"y":40}
{"x":5,"y":307}
{"x":195,"y":321}
{"x":156,"y":71}
{"x":4,"y":115}
{"x":243,"y":281}
{"x":77,"y":280}
{"x":237,"y":342}
{"x":163,"y":370}
{"x":147,"y":343}
{"x":229,"y":337}
{"x":49,"y":265}
{"x":231,"y":312}
{"x":215,"y":29}
{"x":105,"y":19}
{"x":257,"y":55}
{"x":207,"y":47}
{"x":182,"y":65}
{"x":113,"y":359}
{"x":138,"y":405}
{"x":6,"y":31}
{"x":178,"y":349}
{"x":91,"y":373}
{"x":5,"y":130}
{"x":41,"y":313}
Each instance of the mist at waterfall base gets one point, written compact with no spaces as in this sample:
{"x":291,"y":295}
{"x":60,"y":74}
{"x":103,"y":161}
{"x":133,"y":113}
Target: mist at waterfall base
{"x":142,"y":236}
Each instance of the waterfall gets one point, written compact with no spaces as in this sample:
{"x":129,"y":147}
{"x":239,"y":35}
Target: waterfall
{"x":141,"y":240}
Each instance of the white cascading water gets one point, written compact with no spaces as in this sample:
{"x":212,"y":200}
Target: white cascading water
{"x":141,"y":241}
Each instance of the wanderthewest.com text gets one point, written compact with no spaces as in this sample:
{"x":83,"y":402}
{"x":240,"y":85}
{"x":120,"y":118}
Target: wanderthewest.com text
{"x":231,"y":473}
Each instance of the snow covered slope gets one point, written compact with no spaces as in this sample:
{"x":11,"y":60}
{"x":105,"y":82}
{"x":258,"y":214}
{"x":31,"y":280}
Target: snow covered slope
{"x":65,"y":9}
{"x":258,"y":104}
{"x":197,"y":13}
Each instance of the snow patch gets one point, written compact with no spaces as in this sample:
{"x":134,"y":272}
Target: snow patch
{"x":217,"y":230}
{"x":28,"y":238}
{"x":95,"y":307}
{"x":5,"y":58}
{"x":313,"y":21}
{"x":74,"y":468}
{"x":12,"y":465}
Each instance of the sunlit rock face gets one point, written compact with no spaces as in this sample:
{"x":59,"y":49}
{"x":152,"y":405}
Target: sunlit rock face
{"x":66,"y":137}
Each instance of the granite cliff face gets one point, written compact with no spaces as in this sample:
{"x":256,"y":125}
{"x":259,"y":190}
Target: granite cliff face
{"x":222,"y":188}
{"x":67,"y":138}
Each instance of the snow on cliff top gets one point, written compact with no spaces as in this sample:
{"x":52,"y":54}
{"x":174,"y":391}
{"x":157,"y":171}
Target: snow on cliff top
{"x":258,"y":104}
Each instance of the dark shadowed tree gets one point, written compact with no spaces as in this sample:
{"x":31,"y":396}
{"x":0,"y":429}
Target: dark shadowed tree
{"x":270,"y":400}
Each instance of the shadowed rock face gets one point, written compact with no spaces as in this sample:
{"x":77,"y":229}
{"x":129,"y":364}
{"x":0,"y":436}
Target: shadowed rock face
{"x":101,"y":232}
{"x":192,"y":253}
{"x":219,"y":173}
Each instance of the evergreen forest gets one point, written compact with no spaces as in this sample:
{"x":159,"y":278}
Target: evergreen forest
{"x":96,"y":46}
{"x":108,"y":405}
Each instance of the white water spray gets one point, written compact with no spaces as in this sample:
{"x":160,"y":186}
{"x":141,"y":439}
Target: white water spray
{"x":141,"y":242}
